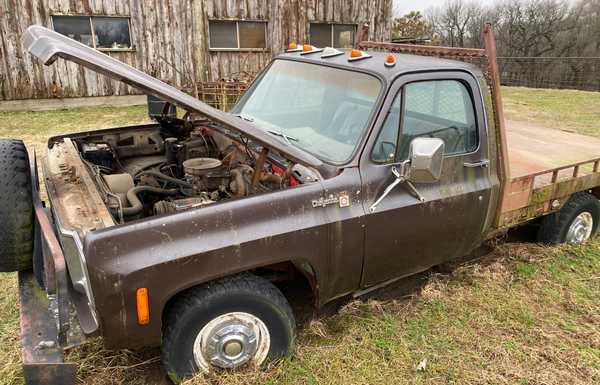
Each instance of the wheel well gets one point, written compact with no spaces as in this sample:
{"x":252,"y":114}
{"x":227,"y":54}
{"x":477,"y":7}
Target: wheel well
{"x":595,"y":192}
{"x":298,"y":286}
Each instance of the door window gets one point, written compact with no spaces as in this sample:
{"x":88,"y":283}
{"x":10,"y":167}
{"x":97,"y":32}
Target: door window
{"x":432,"y":109}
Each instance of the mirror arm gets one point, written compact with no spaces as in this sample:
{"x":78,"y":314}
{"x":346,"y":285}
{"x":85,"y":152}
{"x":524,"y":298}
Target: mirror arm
{"x":401,"y":177}
{"x":388,"y":189}
{"x":416,"y":192}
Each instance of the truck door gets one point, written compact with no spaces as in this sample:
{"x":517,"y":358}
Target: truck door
{"x":405,"y":235}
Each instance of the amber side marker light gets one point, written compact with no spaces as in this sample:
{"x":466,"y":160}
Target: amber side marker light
{"x":143,"y":308}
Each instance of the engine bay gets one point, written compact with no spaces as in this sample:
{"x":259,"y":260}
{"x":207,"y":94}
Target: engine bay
{"x":181,"y":165}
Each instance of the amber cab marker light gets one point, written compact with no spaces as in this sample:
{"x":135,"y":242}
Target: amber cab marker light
{"x":307,"y":48}
{"x":356,"y":54}
{"x":390,"y":61}
{"x":143,"y":309}
{"x":293,"y":47}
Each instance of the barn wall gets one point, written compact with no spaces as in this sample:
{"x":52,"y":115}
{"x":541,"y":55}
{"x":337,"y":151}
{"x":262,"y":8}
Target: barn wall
{"x":170,"y":39}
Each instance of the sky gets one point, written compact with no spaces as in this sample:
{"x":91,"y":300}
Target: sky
{"x":405,"y":6}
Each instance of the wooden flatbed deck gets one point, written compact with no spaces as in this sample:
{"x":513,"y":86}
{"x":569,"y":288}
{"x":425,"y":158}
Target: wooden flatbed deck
{"x":533,"y":149}
{"x":546,"y":167}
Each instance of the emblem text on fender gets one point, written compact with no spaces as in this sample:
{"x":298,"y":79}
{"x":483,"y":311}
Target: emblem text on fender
{"x":343,"y":199}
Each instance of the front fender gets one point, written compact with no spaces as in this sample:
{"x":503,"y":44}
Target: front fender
{"x":172,"y":253}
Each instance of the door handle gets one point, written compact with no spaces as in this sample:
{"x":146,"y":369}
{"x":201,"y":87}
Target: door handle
{"x":483,"y":163}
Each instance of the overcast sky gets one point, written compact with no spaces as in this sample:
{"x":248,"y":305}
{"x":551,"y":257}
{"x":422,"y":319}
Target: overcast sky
{"x":405,"y":6}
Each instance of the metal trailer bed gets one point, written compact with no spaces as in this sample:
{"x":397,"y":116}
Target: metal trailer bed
{"x":538,"y":168}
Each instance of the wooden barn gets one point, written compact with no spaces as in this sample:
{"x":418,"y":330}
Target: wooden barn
{"x":186,"y":43}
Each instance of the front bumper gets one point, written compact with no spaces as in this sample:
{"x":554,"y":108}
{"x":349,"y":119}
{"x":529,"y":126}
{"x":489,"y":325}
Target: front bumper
{"x":53,"y":318}
{"x":41,"y":350}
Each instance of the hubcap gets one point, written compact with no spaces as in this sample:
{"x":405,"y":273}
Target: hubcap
{"x":230,"y":341}
{"x":581,"y":228}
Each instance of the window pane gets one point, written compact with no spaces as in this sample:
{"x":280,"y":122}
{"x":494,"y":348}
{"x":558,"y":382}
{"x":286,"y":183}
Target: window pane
{"x":252,"y":34}
{"x":75,"y":27}
{"x":223,"y":34}
{"x":343,"y":35}
{"x":385,"y":147}
{"x":290,"y":98}
{"x":439,"y":109}
{"x":112,"y":32}
{"x":320,"y":34}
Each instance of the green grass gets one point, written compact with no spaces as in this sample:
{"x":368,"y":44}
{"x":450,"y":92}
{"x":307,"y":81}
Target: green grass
{"x":36,"y":127}
{"x":523,"y":314}
{"x":577,"y":111}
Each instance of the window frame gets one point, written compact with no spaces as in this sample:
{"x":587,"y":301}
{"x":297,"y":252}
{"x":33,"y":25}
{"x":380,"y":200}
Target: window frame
{"x":237,"y":34}
{"x":331,"y":31}
{"x":471,"y":83}
{"x":132,"y":48}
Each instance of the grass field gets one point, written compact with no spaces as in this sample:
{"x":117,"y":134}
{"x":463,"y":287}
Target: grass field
{"x":521,"y":314}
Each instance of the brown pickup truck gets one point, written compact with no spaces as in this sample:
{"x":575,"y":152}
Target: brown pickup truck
{"x":337,"y":172}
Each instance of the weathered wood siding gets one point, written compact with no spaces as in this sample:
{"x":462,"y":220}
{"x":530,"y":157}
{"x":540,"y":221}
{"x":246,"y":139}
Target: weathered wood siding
{"x":170,"y":39}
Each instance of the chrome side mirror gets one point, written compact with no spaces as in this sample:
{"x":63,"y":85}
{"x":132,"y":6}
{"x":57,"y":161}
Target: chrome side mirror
{"x":426,"y":157}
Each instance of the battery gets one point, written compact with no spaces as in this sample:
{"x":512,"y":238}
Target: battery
{"x":98,"y":153}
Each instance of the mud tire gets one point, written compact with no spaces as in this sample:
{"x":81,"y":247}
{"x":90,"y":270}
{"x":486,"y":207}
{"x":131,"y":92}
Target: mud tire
{"x":16,"y":207}
{"x":554,"y":227}
{"x":198,"y":306}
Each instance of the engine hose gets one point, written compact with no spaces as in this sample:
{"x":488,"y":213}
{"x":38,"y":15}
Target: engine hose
{"x":136,"y":203}
{"x":166,"y":178}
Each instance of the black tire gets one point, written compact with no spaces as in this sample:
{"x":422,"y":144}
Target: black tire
{"x":198,"y":306}
{"x":554,"y":227}
{"x":16,"y":207}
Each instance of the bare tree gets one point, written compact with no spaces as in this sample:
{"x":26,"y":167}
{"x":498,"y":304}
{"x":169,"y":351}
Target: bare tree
{"x":451,"y":22}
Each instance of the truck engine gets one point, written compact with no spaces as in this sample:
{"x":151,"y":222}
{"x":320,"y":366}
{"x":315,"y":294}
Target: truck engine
{"x":180,"y":165}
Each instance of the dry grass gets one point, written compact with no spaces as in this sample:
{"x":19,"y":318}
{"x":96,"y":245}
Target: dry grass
{"x":520,"y":315}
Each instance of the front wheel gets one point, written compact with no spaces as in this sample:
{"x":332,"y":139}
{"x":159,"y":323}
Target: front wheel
{"x":16,"y":207}
{"x":227,"y":324}
{"x":576,"y":222}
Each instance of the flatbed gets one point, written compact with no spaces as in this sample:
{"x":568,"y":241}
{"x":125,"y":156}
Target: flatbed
{"x":534,"y":149}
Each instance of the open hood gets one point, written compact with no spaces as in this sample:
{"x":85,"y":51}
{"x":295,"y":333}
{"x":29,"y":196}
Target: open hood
{"x":48,"y":45}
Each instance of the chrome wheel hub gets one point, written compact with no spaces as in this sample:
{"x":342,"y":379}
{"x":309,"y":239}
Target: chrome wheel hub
{"x":581,"y":228}
{"x":230,"y":341}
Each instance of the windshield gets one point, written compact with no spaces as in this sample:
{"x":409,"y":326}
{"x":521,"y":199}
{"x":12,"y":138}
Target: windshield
{"x":319,"y":109}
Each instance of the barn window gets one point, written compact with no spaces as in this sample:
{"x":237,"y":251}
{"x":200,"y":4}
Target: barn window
{"x":76,"y":27}
{"x":100,"y":32}
{"x":332,"y":35}
{"x":112,"y":32}
{"x":237,"y":35}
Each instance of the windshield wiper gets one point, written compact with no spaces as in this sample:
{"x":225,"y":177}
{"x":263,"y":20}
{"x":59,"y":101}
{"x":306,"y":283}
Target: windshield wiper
{"x":244,"y":117}
{"x":285,"y":137}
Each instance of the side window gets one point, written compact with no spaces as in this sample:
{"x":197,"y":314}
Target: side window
{"x":439,"y":109}
{"x":385,"y":147}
